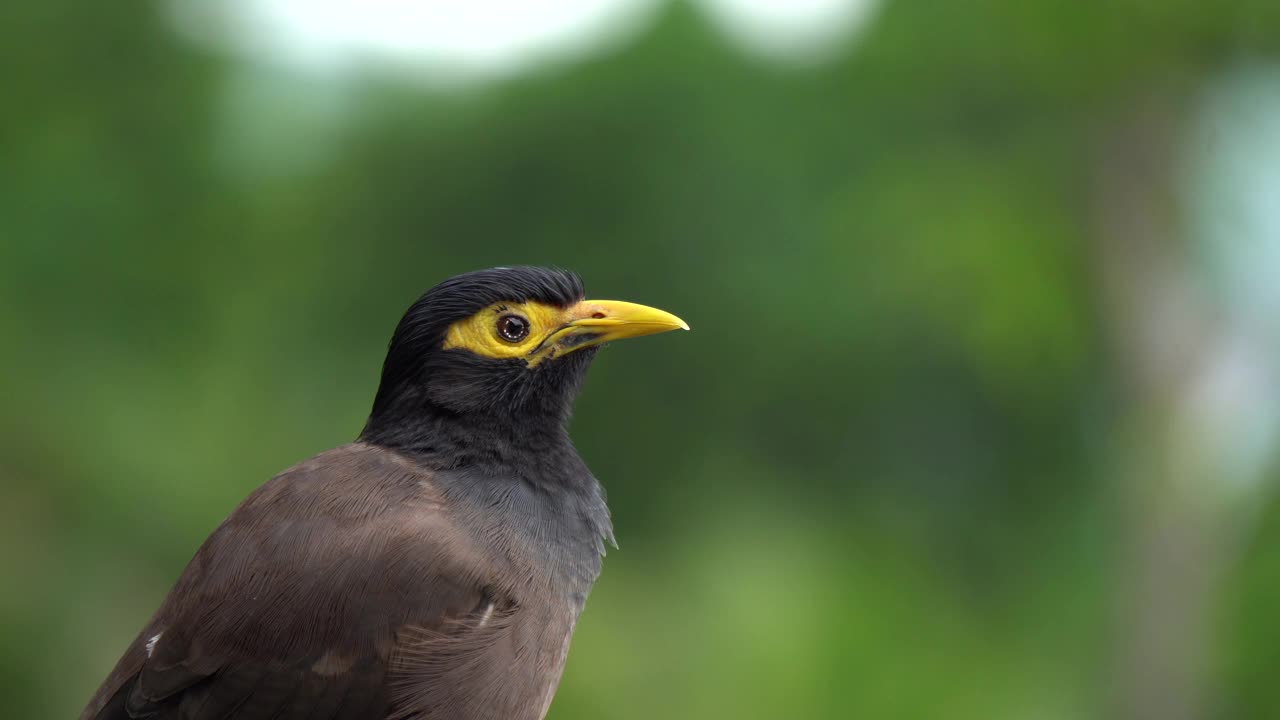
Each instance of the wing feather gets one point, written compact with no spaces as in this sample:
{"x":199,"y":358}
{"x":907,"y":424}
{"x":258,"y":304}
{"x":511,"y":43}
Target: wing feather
{"x":297,"y":605}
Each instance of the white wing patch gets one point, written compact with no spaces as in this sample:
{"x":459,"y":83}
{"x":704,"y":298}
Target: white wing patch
{"x":151,"y":644}
{"x":488,"y":613}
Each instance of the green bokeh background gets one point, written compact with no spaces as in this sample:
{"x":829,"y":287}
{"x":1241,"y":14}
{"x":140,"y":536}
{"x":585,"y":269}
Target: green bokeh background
{"x":888,"y":475}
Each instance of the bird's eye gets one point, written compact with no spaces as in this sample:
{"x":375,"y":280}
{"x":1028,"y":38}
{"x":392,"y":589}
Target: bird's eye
{"x":513,"y":328}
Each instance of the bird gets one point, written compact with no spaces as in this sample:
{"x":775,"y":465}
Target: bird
{"x":432,"y":569}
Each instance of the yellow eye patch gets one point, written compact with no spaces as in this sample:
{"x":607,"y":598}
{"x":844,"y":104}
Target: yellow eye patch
{"x":534,"y":331}
{"x":490,"y":334}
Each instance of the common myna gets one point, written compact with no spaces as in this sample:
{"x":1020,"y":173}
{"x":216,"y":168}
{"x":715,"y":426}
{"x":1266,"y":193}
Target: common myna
{"x":432,"y":569}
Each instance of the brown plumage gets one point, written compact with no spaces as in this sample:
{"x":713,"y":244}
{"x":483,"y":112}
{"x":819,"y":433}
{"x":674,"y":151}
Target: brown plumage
{"x":432,"y":570}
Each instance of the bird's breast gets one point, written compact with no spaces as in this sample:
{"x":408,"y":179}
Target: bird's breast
{"x":538,"y":556}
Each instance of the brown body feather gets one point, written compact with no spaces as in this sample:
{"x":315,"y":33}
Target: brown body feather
{"x":355,"y":586}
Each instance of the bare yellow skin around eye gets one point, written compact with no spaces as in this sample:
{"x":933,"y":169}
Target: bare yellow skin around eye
{"x":479,"y":333}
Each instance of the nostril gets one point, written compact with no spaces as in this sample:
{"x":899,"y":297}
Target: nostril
{"x":597,"y":315}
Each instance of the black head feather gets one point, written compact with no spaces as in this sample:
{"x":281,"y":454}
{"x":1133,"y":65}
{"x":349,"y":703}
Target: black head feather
{"x":422,"y":381}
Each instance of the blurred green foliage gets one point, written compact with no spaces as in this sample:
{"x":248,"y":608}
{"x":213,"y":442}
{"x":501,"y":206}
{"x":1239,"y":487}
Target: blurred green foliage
{"x":869,"y":484}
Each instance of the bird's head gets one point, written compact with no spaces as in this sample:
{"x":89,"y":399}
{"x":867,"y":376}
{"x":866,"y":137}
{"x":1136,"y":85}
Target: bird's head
{"x":505,"y":342}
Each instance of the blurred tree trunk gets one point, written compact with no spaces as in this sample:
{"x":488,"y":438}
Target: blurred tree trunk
{"x":1161,"y":334}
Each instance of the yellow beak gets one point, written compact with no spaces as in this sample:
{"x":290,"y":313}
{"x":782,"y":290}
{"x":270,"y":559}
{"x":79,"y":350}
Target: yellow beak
{"x":592,"y":322}
{"x":614,"y":319}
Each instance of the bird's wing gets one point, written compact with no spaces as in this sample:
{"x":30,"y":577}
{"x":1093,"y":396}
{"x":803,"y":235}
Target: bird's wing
{"x":302,"y":602}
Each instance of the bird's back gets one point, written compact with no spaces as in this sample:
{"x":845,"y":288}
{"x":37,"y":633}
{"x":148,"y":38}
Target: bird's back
{"x":358,"y":584}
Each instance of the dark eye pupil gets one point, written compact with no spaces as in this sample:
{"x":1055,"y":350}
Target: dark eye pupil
{"x":513,"y":328}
